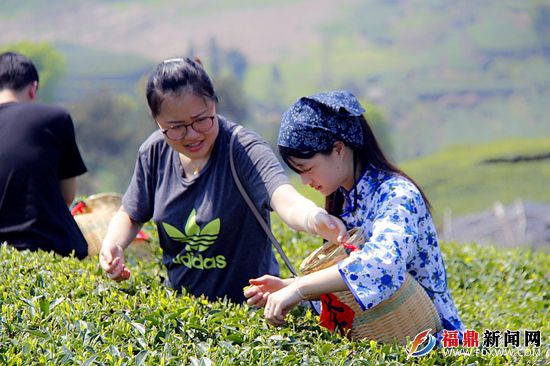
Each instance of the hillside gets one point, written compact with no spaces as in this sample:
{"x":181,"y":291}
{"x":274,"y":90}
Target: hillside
{"x":465,"y":179}
{"x":443,"y":72}
{"x":470,"y":178}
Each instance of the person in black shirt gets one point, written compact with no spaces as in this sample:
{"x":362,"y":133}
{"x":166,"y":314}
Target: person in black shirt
{"x":39,"y":163}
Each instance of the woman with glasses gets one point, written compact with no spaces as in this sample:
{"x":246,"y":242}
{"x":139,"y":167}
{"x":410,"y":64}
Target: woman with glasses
{"x":211,"y":241}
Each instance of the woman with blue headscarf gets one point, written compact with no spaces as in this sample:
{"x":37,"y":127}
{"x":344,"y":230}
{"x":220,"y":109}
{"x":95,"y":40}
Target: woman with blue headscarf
{"x":326,"y":139}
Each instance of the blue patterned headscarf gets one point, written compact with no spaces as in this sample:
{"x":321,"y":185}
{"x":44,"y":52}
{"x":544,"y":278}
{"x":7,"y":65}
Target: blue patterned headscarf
{"x":313,"y":123}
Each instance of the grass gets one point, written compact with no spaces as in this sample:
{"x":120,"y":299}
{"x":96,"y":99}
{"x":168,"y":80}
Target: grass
{"x":63,"y":311}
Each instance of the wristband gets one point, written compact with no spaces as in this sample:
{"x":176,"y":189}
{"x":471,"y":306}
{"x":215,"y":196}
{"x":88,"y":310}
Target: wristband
{"x":298,"y":291}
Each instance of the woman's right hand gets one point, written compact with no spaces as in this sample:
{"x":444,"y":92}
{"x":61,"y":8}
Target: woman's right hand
{"x":261,"y":287}
{"x":327,"y":226}
{"x":112,"y":260}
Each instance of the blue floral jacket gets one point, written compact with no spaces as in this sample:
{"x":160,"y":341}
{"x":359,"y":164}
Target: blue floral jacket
{"x":400,"y":236}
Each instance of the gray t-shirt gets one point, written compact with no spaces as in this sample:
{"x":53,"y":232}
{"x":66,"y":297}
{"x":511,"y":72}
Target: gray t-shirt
{"x":212,"y":243}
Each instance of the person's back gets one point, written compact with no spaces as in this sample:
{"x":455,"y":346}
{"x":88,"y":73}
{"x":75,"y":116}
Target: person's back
{"x":39,"y":162}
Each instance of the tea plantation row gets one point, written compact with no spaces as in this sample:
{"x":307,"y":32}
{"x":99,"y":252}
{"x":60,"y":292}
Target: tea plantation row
{"x":64,"y":311}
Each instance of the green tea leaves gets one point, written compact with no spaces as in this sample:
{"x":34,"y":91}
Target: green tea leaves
{"x":61,"y":311}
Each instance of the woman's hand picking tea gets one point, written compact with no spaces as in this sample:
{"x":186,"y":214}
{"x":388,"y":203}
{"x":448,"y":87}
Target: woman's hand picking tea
{"x":281,"y":302}
{"x":260,"y":288}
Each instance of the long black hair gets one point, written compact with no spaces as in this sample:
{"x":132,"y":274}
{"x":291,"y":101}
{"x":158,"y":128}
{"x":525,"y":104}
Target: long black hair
{"x":370,"y":154}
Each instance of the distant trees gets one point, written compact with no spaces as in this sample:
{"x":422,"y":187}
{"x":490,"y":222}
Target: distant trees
{"x":232,"y":101}
{"x":109,"y":130}
{"x":223,"y":61}
{"x":237,"y":64}
{"x":214,"y":57}
{"x":228,"y":69}
{"x":49,"y":62}
{"x":276,"y":88}
{"x":379,"y":124}
{"x":541,"y":23}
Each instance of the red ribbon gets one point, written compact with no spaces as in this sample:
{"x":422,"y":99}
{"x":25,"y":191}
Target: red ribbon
{"x":335,"y":315}
{"x":78,"y":208}
{"x":349,"y":247}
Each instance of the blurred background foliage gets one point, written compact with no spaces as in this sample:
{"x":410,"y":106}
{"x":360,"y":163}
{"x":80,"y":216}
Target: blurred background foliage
{"x":431,"y":74}
{"x":48,"y":60}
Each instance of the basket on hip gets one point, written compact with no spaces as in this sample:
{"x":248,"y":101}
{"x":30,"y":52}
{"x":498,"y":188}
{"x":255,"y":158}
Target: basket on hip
{"x":93,"y":216}
{"x":406,"y":313}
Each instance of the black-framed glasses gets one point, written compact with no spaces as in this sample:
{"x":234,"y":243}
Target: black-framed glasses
{"x":179,"y":131}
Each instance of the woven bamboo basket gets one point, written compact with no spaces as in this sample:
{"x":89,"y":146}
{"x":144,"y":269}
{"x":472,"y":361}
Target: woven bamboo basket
{"x":93,"y":220}
{"x":406,"y":313}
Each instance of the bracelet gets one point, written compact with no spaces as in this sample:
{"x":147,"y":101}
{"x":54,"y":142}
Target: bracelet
{"x":298,"y":291}
{"x":306,"y":219}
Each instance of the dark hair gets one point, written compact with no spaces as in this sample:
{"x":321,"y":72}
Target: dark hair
{"x":174,"y":77}
{"x":369,"y":154}
{"x":16,"y":71}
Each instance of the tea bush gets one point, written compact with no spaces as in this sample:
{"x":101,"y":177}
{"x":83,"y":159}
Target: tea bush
{"x":64,"y":311}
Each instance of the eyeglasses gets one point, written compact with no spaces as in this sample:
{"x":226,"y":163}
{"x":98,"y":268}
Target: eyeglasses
{"x":179,"y":131}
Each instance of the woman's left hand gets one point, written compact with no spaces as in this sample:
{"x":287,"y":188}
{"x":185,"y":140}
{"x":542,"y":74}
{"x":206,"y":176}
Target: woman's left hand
{"x":260,"y":288}
{"x":280,"y":303}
